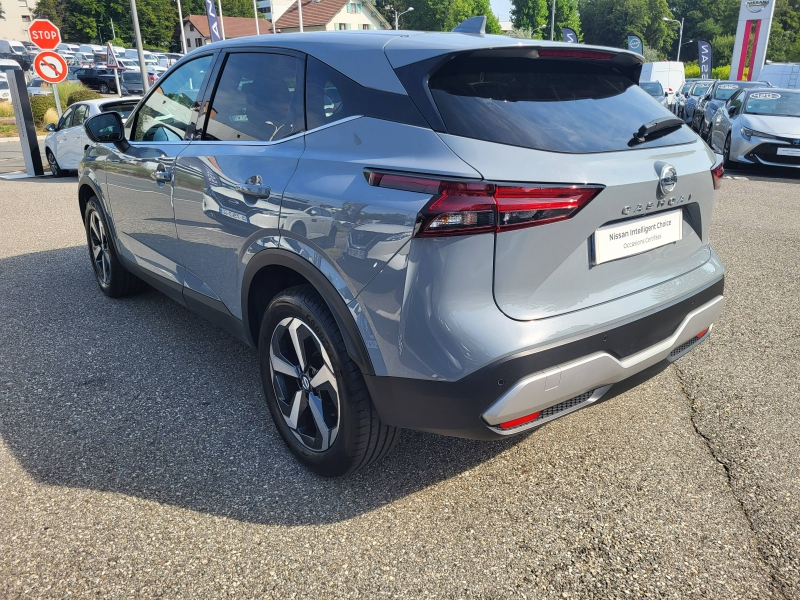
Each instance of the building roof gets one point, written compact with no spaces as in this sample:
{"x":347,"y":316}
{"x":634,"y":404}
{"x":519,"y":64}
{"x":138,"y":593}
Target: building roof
{"x":315,"y":13}
{"x":235,"y":27}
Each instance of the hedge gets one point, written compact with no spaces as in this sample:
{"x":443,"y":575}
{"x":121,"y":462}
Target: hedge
{"x":82,"y":95}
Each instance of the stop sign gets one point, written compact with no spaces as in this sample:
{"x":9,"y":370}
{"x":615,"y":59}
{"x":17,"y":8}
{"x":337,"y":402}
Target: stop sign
{"x":44,"y":34}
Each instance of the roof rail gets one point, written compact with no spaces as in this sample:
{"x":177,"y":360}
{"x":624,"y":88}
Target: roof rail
{"x":473,"y":25}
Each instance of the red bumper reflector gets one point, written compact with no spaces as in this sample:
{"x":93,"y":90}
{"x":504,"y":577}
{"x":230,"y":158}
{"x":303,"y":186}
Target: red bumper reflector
{"x":521,"y":421}
{"x":702,"y":333}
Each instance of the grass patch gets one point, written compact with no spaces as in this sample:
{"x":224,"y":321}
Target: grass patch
{"x":8,"y":131}
{"x":6,"y":110}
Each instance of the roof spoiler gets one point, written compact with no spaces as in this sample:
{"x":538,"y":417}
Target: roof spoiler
{"x":473,"y":25}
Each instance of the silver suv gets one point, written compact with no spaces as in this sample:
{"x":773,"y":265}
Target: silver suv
{"x":451,"y":232}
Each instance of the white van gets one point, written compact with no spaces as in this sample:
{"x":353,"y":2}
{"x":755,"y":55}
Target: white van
{"x":669,"y":74}
{"x":782,"y":75}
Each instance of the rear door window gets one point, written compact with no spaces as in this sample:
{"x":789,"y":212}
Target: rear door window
{"x":556,"y":105}
{"x":259,"y":98}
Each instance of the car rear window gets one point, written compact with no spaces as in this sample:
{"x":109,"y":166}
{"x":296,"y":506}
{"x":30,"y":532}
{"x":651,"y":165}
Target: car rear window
{"x":555,"y":105}
{"x":652,"y":87}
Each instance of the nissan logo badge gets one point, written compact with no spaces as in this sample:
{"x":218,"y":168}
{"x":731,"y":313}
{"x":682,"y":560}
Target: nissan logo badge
{"x":668,"y":180}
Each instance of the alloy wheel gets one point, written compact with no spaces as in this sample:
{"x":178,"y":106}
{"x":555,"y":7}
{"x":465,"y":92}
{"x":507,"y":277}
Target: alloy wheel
{"x":54,"y":168}
{"x":98,"y":240}
{"x":304,"y":384}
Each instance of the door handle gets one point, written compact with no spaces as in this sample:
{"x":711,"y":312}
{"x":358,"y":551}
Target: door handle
{"x":161,"y":175}
{"x":254,"y":187}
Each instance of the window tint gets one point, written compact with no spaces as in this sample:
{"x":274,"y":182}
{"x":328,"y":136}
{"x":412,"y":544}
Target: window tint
{"x":3,"y":84}
{"x":700,"y":90}
{"x":81,"y":111}
{"x":132,"y":77}
{"x":66,"y":118}
{"x":123,"y":108}
{"x":259,"y":98}
{"x":331,"y":97}
{"x":779,"y":104}
{"x":168,"y":110}
{"x":555,"y":105}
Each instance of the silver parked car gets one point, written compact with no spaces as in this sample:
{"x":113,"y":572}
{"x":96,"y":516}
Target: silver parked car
{"x":759,"y":126}
{"x":656,"y":91}
{"x":451,"y":232}
{"x":688,"y":102}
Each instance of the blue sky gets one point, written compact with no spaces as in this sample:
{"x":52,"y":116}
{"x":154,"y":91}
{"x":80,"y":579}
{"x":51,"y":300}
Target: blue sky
{"x":501,"y":8}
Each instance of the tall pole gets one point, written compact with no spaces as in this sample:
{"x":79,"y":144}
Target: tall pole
{"x":113,"y":33}
{"x":680,"y":39}
{"x":553,"y":21}
{"x":255,"y":14}
{"x":396,"y":21}
{"x":300,"y":14}
{"x":221,"y":24}
{"x":183,"y":33}
{"x":138,"y":34}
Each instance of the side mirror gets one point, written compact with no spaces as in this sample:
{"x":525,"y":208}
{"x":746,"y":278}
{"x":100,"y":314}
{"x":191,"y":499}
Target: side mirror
{"x":105,"y":127}
{"x":707,"y":97}
{"x":49,"y":127}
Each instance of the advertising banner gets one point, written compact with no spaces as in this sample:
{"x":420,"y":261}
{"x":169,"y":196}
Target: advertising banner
{"x":752,"y":35}
{"x":635,"y":44}
{"x":569,"y":35}
{"x":705,"y":58}
{"x":213,"y":22}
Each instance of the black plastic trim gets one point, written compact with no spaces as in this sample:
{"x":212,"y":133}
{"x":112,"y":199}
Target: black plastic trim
{"x":455,"y":407}
{"x":165,"y":286}
{"x":354,"y":343}
{"x":213,"y":311}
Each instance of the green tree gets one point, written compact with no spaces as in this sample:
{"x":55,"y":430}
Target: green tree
{"x":567,"y":16}
{"x":530,"y":15}
{"x":784,"y":40}
{"x":608,"y":22}
{"x":443,"y":15}
{"x":51,"y":9}
{"x":2,"y":13}
{"x":722,"y":45}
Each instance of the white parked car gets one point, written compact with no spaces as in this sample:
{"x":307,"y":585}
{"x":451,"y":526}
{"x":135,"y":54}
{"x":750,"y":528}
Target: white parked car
{"x":5,"y":93}
{"x":67,"y":141}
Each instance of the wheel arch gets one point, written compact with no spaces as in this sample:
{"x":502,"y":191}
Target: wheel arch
{"x":86,"y":189}
{"x":273,"y":270}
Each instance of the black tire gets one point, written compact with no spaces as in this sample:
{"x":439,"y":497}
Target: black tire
{"x":104,"y":89}
{"x":55,"y":169}
{"x":114,"y":280}
{"x":726,"y":153}
{"x":362,"y":438}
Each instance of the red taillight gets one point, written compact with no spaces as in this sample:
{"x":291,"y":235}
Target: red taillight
{"x":702,"y":333}
{"x":521,"y":421}
{"x":529,"y":206}
{"x":564,"y":53}
{"x":716,"y":175}
{"x":462,"y":207}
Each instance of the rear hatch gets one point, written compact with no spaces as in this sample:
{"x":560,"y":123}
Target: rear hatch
{"x":553,"y":118}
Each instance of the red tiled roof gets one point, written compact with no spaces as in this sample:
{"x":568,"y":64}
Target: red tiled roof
{"x":315,"y":13}
{"x":235,"y":27}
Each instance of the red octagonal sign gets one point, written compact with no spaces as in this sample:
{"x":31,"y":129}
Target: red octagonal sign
{"x":44,"y":34}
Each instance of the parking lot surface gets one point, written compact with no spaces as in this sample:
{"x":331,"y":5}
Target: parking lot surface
{"x":137,"y":458}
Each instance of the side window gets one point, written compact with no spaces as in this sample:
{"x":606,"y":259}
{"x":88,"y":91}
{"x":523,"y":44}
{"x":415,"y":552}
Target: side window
{"x":330,"y":96}
{"x":736,"y":101}
{"x":167,"y":113}
{"x":81,"y":111}
{"x":66,"y":119}
{"x":259,"y":98}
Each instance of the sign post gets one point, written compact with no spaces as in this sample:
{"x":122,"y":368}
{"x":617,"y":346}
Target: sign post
{"x":752,"y":35}
{"x":111,"y":63}
{"x":24,"y":119}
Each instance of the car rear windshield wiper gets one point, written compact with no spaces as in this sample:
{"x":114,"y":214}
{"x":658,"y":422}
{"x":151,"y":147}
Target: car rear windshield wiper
{"x":661,"y":124}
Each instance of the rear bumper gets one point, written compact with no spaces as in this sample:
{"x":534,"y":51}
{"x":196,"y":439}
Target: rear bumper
{"x":555,"y":381}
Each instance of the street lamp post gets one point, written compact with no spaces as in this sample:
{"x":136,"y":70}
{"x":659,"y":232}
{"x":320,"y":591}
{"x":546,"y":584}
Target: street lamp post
{"x":183,"y":33}
{"x":680,"y":37}
{"x":553,"y":21}
{"x":398,"y":15}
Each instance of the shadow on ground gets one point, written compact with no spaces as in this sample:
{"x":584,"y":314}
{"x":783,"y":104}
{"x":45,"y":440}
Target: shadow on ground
{"x":141,"y":397}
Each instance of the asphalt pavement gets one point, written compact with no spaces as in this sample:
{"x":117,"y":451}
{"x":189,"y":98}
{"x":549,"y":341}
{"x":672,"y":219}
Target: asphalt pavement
{"x":11,"y":159}
{"x":137,"y":458}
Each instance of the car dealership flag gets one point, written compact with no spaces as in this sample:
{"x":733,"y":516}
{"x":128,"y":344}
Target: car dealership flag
{"x":705,"y":58}
{"x":213,"y":22}
{"x":569,"y":35}
{"x":635,"y":44}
